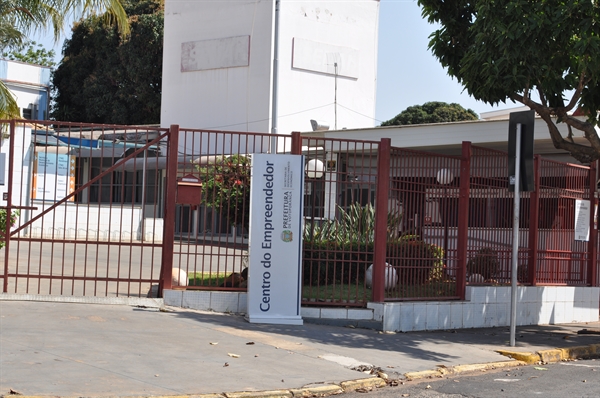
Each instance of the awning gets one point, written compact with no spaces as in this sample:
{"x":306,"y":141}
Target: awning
{"x":160,"y":163}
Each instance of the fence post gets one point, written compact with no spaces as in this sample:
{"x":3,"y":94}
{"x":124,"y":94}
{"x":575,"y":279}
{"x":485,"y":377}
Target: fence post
{"x":11,"y":161}
{"x":166,"y":271}
{"x":296,"y":143}
{"x":534,"y":220}
{"x":381,"y":214}
{"x":593,"y":242}
{"x":463,"y":218}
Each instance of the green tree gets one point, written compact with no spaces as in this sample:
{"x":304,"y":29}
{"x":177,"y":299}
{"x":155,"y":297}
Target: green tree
{"x":226,"y":188}
{"x":544,"y":54}
{"x":20,"y":18}
{"x":32,"y":53}
{"x":432,"y":112}
{"x":106,"y":77}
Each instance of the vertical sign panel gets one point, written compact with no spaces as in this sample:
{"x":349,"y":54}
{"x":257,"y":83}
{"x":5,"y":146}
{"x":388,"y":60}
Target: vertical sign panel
{"x":53,"y":176}
{"x":2,"y":167}
{"x":582,"y":220}
{"x":274,"y":287}
{"x":527,"y":121}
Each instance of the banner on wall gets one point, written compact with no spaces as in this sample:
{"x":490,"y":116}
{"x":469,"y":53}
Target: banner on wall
{"x":2,"y":167}
{"x":582,"y":220}
{"x":275,"y":258}
{"x":53,"y":176}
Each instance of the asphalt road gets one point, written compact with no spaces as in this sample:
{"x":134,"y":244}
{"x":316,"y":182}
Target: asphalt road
{"x":565,"y":379}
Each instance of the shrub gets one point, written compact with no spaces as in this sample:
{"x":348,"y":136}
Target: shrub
{"x":523,"y":273}
{"x":226,"y":188}
{"x":414,"y":260}
{"x":340,"y":251}
{"x":485,"y":263}
{"x":356,"y":224}
{"x":331,"y":262}
{"x":13,"y":219}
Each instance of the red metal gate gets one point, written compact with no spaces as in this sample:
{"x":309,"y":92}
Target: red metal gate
{"x":86,"y":201}
{"x":103,"y":209}
{"x":206,"y":236}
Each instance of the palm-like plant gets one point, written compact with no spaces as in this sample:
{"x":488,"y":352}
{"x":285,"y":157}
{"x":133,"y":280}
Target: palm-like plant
{"x":21,"y":18}
{"x":356,"y":224}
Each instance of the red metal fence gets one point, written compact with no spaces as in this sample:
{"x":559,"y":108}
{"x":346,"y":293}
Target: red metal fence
{"x":85,"y":208}
{"x":422,"y":252}
{"x":211,"y":198}
{"x":113,"y":210}
{"x":491,"y":211}
{"x":339,"y":220}
{"x":562,"y":255}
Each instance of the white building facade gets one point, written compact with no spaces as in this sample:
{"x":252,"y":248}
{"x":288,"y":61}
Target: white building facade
{"x":30,"y":84}
{"x":218,"y":64}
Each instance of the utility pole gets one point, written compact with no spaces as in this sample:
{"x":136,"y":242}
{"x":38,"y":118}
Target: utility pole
{"x":335,"y":95}
{"x":273,"y":146}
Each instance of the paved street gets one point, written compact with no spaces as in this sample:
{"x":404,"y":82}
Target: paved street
{"x":565,"y":379}
{"x":71,"y":349}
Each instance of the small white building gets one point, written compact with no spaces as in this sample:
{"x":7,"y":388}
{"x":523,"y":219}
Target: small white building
{"x":491,"y":131}
{"x":218,"y":62}
{"x":30,"y":84}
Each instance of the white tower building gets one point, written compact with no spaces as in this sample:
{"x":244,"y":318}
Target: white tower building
{"x":218,"y":64}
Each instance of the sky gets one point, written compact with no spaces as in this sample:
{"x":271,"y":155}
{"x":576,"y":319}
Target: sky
{"x":407,"y":73}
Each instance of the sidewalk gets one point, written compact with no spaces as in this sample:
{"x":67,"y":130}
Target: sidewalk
{"x":64,"y":349}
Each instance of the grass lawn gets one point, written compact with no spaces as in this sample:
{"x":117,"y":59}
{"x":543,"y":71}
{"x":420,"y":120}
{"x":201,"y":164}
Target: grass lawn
{"x":343,"y":292}
{"x":212,"y":279}
{"x":336,"y":293}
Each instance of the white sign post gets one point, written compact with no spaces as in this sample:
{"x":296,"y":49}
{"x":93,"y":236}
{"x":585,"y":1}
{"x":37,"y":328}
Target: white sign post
{"x":276,"y":204}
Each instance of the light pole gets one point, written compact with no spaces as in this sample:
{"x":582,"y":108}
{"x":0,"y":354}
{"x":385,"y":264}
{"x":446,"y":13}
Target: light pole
{"x":444,"y":178}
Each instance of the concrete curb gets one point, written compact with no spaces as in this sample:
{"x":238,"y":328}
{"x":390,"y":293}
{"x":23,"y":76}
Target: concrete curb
{"x":555,"y":355}
{"x":312,"y":391}
{"x":441,"y":371}
{"x":308,"y":391}
{"x":130,"y":301}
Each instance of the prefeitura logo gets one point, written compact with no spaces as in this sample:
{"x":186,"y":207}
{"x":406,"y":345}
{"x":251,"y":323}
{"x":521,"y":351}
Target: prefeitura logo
{"x":287,"y":235}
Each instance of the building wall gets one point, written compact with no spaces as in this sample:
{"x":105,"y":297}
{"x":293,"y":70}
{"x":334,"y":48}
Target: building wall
{"x":29,"y":84}
{"x":314,"y":35}
{"x":218,"y":95}
{"x":21,"y":170}
{"x":218,"y":56}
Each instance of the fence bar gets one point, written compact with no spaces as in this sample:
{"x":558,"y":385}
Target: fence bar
{"x":11,"y":156}
{"x":166,"y":272}
{"x":296,"y":143}
{"x":463,"y":218}
{"x":381,"y":213}
{"x":534,"y":220}
{"x":593,"y":238}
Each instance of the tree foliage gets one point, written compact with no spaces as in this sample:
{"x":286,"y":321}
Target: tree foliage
{"x":32,"y":53}
{"x":431,"y":112}
{"x":21,"y":18}
{"x":106,"y":77}
{"x":226,"y":188}
{"x":544,"y":54}
{"x":3,"y":221}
